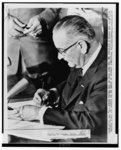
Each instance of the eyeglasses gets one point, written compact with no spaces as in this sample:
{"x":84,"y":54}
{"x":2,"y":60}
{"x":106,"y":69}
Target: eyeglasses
{"x":63,"y":51}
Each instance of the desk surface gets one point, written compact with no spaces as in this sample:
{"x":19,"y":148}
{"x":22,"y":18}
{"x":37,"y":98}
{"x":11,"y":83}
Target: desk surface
{"x":94,"y":139}
{"x":39,"y":136}
{"x":36,"y":131}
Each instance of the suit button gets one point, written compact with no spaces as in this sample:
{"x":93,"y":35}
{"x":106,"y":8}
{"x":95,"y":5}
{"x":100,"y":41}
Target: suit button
{"x":82,"y":85}
{"x":81,"y":102}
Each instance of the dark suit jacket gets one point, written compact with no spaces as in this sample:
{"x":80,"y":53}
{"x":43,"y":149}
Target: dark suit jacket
{"x":83,"y":106}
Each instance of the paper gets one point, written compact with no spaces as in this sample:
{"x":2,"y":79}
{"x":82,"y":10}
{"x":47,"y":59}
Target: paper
{"x":69,"y":134}
{"x":30,"y":130}
{"x":49,"y":135}
{"x":36,"y":131}
{"x":19,"y":104}
{"x":30,"y":134}
{"x":26,"y":125}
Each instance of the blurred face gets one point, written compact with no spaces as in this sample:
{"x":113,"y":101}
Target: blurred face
{"x":68,"y":49}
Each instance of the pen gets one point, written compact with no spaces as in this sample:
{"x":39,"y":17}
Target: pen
{"x":44,"y":98}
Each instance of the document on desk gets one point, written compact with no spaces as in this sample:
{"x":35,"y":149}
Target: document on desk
{"x":19,"y":104}
{"x":27,"y":125}
{"x":69,"y":134}
{"x":51,"y":134}
{"x":30,"y":130}
{"x":36,"y":131}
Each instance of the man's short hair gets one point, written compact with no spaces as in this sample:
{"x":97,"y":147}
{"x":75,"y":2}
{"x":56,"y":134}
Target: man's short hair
{"x":75,"y":25}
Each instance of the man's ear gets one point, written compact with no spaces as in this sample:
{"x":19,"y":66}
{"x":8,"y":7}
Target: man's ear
{"x":83,"y":45}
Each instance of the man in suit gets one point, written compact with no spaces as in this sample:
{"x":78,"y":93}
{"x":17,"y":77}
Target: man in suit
{"x":80,"y":102}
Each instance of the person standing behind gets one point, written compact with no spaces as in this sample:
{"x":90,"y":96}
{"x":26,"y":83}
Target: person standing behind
{"x":30,"y":37}
{"x":31,"y":42}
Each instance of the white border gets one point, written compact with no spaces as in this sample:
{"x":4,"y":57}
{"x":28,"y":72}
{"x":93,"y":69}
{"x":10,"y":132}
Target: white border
{"x":69,"y":1}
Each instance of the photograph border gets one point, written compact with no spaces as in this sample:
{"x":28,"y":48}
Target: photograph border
{"x":116,"y":82}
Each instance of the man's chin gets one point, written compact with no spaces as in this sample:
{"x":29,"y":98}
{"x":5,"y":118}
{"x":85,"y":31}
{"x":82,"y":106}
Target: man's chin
{"x":71,"y":64}
{"x":78,"y":67}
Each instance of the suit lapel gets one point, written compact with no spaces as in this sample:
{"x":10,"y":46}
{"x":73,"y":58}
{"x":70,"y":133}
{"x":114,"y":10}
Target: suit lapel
{"x":82,"y":84}
{"x":84,"y":81}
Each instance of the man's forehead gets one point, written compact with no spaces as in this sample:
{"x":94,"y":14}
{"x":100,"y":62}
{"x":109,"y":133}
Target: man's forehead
{"x":60,"y":38}
{"x":60,"y":33}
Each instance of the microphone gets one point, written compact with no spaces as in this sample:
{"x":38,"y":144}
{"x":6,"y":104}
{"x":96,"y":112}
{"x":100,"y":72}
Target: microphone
{"x":38,"y":73}
{"x":17,"y":88}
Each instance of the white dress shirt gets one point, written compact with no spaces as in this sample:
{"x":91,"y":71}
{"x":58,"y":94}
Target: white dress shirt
{"x":92,"y":59}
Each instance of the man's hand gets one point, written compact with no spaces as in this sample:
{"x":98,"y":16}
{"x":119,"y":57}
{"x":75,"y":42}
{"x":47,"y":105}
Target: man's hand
{"x":15,"y":27}
{"x":14,"y":114}
{"x":34,"y":27}
{"x":40,"y":96}
{"x":29,"y":112}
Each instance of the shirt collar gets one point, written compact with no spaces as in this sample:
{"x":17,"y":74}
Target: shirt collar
{"x":92,"y":59}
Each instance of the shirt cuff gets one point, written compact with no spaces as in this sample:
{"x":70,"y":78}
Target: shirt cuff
{"x":41,"y":113}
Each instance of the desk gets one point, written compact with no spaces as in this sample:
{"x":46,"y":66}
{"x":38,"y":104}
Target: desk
{"x":17,"y":138}
{"x":36,"y":131}
{"x":94,"y":139}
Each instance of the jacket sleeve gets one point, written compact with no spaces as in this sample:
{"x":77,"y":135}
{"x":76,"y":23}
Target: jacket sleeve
{"x":50,"y":15}
{"x":85,"y":116}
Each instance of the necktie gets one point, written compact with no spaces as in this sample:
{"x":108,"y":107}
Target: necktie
{"x":79,"y":73}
